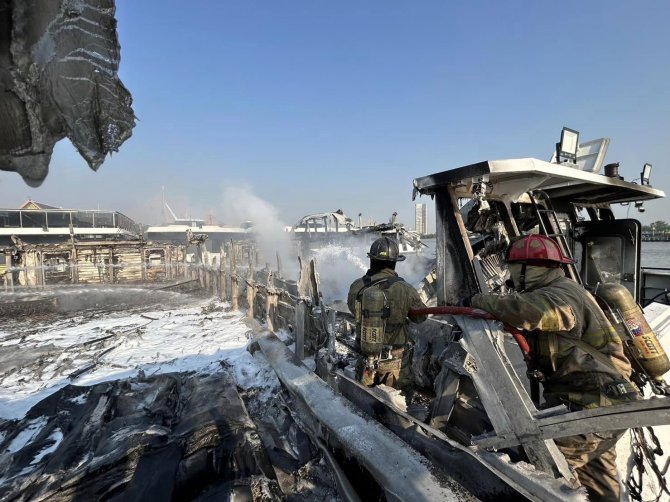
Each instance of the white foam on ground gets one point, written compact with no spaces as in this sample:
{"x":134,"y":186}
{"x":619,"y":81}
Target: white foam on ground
{"x":27,"y":435}
{"x":184,"y":338}
{"x":56,"y":436}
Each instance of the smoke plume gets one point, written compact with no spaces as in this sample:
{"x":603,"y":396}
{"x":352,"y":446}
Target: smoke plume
{"x":241,"y":204}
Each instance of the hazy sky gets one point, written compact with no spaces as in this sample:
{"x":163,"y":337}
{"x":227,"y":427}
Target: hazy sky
{"x":315,"y":105}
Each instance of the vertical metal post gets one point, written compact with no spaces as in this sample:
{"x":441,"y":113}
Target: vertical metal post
{"x":455,"y":274}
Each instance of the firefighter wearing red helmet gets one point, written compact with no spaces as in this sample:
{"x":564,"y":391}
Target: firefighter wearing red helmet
{"x":576,"y":348}
{"x":387,"y":357}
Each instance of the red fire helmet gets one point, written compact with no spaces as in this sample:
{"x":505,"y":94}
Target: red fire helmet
{"x":535,"y":248}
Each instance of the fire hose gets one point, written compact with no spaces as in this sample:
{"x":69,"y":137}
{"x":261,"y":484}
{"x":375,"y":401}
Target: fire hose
{"x":533,"y":373}
{"x":480,"y":314}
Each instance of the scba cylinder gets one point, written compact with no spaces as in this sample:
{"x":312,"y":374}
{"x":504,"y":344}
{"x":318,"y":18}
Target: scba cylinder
{"x":646,"y":349}
{"x":373,"y":305}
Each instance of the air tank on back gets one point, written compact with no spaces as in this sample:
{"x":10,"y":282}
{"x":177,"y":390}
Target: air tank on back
{"x":645,"y":349}
{"x":373,"y":305}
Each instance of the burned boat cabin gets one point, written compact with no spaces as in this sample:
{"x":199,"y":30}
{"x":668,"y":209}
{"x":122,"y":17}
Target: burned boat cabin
{"x":480,"y":207}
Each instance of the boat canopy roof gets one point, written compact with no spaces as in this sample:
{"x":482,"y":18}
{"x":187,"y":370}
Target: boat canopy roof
{"x":338,"y":216}
{"x":511,"y":178}
{"x":212,"y":229}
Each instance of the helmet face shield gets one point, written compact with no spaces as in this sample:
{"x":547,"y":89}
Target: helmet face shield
{"x":385,"y":249}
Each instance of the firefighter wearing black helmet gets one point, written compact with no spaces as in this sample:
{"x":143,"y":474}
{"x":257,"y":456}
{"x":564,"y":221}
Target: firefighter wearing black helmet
{"x":391,"y":365}
{"x":578,"y":351}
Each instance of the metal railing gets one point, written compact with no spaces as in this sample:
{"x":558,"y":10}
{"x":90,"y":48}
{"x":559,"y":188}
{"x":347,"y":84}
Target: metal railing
{"x":64,"y":218}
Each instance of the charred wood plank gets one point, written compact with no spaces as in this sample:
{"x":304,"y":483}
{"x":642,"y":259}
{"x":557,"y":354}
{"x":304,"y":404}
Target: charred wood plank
{"x":411,"y":478}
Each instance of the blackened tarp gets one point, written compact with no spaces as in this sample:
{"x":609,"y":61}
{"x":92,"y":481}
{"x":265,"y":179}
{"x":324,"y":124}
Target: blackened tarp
{"x":171,"y":437}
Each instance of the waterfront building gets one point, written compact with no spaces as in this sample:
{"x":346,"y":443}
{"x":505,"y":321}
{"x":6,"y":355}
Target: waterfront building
{"x":38,"y":223}
{"x":420,"y":223}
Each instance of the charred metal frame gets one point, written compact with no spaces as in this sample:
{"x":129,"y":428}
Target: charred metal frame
{"x":455,"y":274}
{"x":514,"y":417}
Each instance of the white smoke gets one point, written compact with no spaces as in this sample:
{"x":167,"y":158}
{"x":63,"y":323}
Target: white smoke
{"x":417,"y":265}
{"x":338,"y":267}
{"x":241,"y":204}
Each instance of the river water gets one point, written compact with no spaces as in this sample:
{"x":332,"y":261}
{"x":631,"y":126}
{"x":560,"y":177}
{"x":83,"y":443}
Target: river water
{"x":656,"y":254}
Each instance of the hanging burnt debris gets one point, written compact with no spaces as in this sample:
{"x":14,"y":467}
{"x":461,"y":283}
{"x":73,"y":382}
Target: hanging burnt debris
{"x":59,"y":66}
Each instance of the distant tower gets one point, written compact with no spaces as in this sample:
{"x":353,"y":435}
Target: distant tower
{"x":420,"y":223}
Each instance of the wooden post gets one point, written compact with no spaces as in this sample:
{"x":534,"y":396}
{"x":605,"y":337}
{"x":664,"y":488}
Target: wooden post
{"x":43,"y":274}
{"x":234,"y":280}
{"x":8,"y":266}
{"x":270,"y":301}
{"x":181,"y":267}
{"x":143,"y":262}
{"x":167,"y":253}
{"x":328,"y":317}
{"x":11,"y":273}
{"x":111,"y":265}
{"x":279,"y":267}
{"x":75,"y":262}
{"x":223,"y":294}
{"x":184,"y":268}
{"x":300,"y":314}
{"x":301,"y":309}
{"x":251,"y":292}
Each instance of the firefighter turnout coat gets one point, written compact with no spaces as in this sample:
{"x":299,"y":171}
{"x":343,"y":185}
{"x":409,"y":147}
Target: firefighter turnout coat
{"x":557,"y":313}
